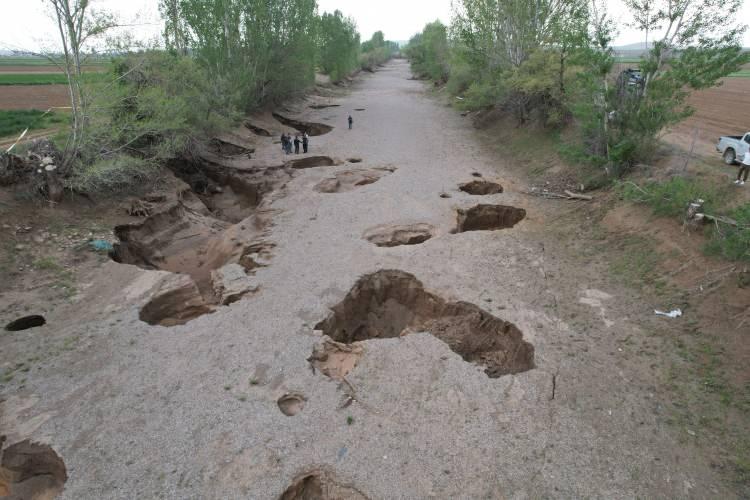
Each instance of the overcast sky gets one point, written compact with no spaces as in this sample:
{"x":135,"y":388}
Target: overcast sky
{"x":25,"y":24}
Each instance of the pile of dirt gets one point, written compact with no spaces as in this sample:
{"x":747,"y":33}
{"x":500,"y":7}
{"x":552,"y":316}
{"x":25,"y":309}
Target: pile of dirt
{"x":481,"y":188}
{"x":311,"y":128}
{"x":488,"y":218}
{"x":320,"y":485}
{"x":349,"y":180}
{"x":396,"y":235}
{"x":391,"y":303}
{"x":31,"y":471}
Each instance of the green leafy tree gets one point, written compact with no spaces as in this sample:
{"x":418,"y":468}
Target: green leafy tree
{"x":338,"y":40}
{"x":429,"y":52}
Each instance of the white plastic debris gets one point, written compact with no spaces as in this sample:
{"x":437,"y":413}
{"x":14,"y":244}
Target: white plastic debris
{"x":676,"y":313}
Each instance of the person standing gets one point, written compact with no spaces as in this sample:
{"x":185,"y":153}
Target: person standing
{"x":351,"y":122}
{"x":296,"y":144}
{"x":283,"y":141}
{"x":305,"y":142}
{"x":744,"y":168}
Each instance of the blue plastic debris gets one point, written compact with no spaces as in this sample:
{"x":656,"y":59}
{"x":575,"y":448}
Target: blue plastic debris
{"x":101,"y":245}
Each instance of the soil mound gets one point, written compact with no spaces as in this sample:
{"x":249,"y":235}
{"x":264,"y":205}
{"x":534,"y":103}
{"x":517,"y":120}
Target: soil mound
{"x":481,"y":188}
{"x":392,"y":236}
{"x":489,"y":218}
{"x":320,"y":485}
{"x":311,"y":128}
{"x":349,"y":180}
{"x":31,"y":471}
{"x":392,"y":303}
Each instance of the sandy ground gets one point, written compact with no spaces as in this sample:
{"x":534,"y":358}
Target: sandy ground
{"x":139,"y":411}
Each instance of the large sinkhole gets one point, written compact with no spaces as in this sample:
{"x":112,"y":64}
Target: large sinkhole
{"x":310,"y":127}
{"x":31,"y":470}
{"x":488,"y":218}
{"x":391,"y":303}
{"x":206,"y":235}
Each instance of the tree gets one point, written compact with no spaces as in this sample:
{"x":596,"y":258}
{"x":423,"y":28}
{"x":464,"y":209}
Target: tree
{"x":429,"y":52}
{"x":77,"y":24}
{"x":338,"y":42}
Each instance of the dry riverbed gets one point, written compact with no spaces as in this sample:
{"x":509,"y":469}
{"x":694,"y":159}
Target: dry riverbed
{"x":386,"y":317}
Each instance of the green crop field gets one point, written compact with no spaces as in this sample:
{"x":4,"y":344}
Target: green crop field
{"x":46,"y":78}
{"x":15,"y":121}
{"x":743,"y":73}
{"x":32,"y":78}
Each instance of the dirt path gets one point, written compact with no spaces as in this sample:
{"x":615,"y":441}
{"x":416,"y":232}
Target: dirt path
{"x":538,"y":379}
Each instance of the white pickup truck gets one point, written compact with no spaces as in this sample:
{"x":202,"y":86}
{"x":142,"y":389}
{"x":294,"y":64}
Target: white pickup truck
{"x":733,"y":147}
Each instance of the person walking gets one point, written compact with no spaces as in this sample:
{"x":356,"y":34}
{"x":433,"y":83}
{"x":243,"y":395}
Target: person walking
{"x":296,"y":144}
{"x":744,"y":168}
{"x":351,"y":122}
{"x":305,"y":142}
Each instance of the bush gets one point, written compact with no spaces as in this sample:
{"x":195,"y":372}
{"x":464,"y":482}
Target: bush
{"x":732,"y":242}
{"x":669,"y":198}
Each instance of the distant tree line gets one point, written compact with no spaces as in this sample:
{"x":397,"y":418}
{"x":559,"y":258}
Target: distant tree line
{"x":550,"y":62}
{"x":223,"y":59}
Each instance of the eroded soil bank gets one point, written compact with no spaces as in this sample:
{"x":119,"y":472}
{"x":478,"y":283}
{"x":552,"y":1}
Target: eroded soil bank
{"x":402,"y":339}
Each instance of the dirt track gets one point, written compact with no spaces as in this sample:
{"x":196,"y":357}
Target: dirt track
{"x":201,"y":410}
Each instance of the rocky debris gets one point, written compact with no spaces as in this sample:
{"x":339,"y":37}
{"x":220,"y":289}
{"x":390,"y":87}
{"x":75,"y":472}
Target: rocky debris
{"x":396,"y":235}
{"x":39,"y":169}
{"x":256,"y":255}
{"x":391,"y":303}
{"x":31,"y":470}
{"x":231,"y":283}
{"x":335,"y":359}
{"x":175,"y":301}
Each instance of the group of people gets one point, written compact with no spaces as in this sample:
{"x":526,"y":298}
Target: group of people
{"x":287,"y":142}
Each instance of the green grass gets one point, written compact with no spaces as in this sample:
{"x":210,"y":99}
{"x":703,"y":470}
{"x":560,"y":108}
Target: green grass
{"x":743,"y":73}
{"x":15,"y":121}
{"x":33,"y":79}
